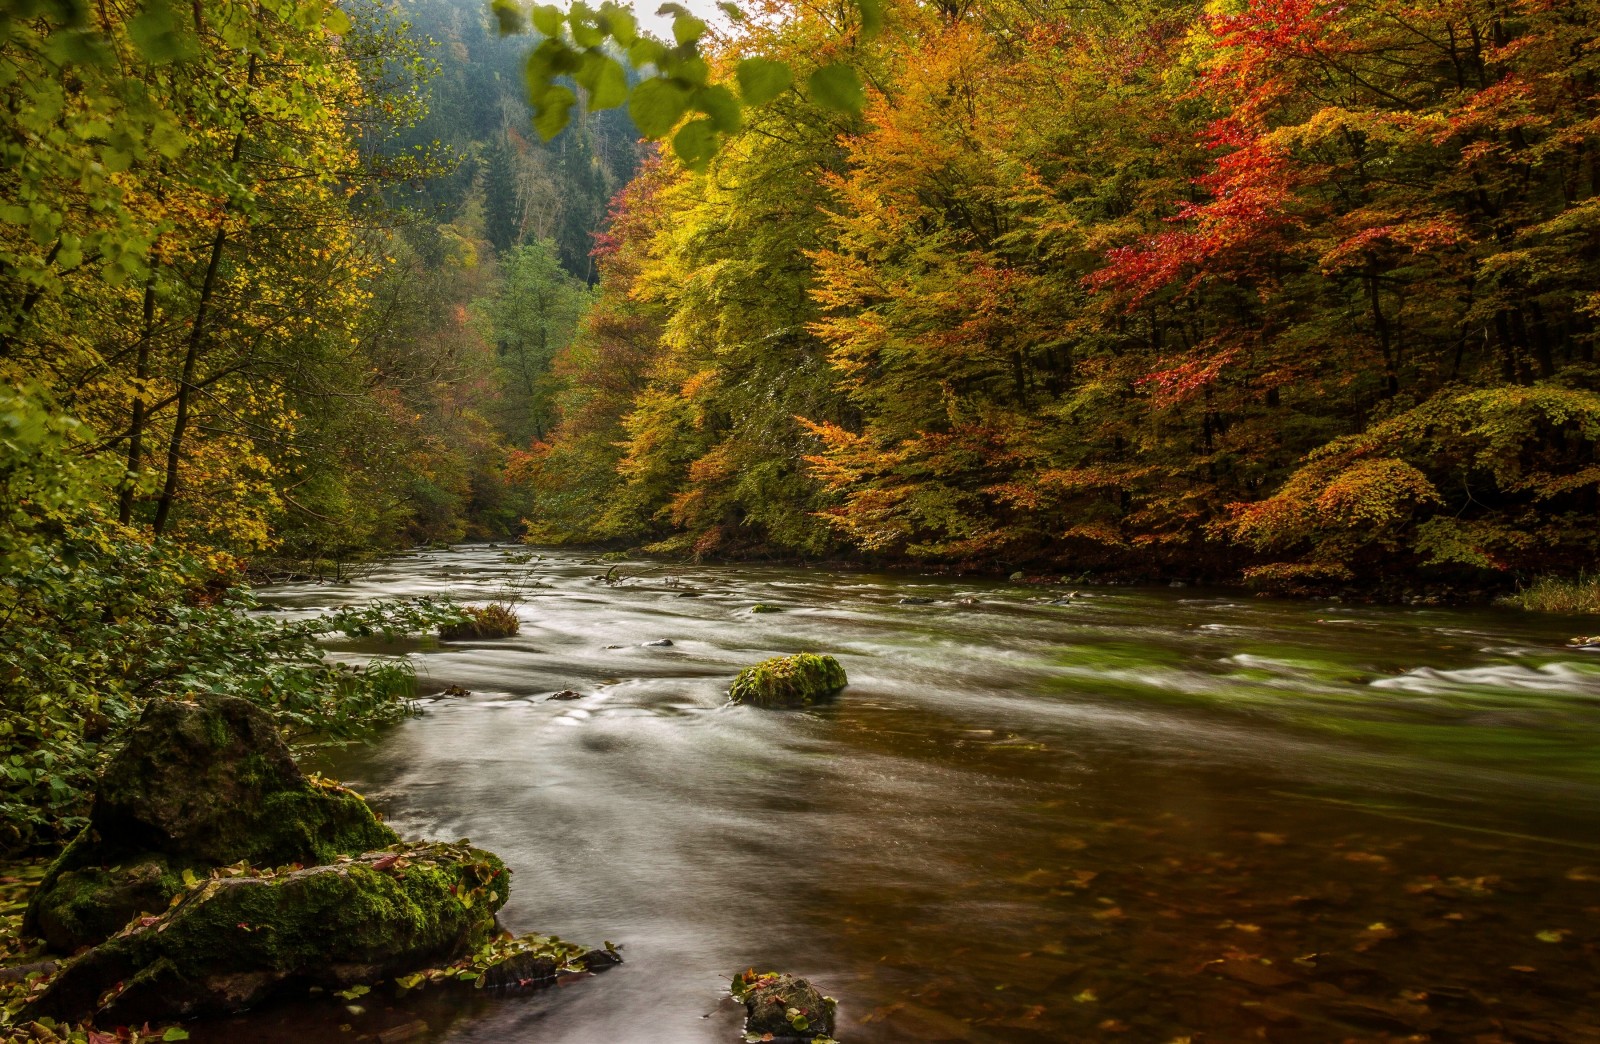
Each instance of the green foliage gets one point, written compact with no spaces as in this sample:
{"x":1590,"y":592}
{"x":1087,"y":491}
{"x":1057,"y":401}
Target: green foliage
{"x":99,"y":620}
{"x":579,"y":43}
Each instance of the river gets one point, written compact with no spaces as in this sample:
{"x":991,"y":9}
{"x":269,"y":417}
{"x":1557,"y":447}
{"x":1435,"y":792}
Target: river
{"x":1141,"y":814}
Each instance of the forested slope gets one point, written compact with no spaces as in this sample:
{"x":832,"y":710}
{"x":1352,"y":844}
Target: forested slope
{"x":1294,"y":291}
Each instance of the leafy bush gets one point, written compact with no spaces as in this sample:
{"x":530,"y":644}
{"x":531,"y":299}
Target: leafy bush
{"x":96,"y":621}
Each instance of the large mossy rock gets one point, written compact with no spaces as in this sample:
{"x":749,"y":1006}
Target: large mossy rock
{"x":789,"y":681}
{"x":195,"y":786}
{"x":233,"y":941}
{"x":783,"y":1007}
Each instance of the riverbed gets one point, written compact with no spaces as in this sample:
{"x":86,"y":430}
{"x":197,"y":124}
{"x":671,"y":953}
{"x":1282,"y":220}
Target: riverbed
{"x":1135,"y":814}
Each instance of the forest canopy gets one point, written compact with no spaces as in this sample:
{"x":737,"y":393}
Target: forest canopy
{"x":1297,"y":292}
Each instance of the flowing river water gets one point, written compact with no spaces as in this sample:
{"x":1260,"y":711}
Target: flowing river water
{"x":1142,"y":815}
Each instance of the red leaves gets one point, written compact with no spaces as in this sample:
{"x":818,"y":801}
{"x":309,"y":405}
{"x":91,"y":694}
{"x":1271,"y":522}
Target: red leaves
{"x":1177,"y":383}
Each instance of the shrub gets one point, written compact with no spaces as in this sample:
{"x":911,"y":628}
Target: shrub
{"x":498,"y":620}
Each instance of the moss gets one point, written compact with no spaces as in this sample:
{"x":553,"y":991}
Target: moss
{"x":197,"y":786}
{"x":92,"y":903}
{"x":234,"y":939}
{"x":492,"y":621}
{"x":789,"y":681}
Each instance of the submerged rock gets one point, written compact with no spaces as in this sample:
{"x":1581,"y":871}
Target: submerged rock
{"x":659,"y":643}
{"x":762,"y":607}
{"x":789,"y":681}
{"x":537,"y":960}
{"x":231,"y":942}
{"x":565,"y":694}
{"x":195,"y":786}
{"x":785,"y":1006}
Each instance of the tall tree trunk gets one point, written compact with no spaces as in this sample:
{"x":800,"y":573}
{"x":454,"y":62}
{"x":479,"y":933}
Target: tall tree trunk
{"x":191,"y":355}
{"x":141,"y":373}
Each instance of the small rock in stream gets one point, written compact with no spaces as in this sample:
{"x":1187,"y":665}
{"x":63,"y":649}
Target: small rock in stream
{"x":565,"y":694}
{"x":455,"y":692}
{"x":783,"y":1007}
{"x":916,"y":600}
{"x":659,"y":643}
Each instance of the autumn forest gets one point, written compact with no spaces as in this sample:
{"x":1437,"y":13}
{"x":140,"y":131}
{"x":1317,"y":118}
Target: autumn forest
{"x":1288,"y":298}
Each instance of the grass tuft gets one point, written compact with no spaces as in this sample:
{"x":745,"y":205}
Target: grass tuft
{"x":1554,"y":594}
{"x":492,"y":621}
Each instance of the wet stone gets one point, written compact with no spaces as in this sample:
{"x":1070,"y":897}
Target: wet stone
{"x":786,"y":1006}
{"x":565,"y":694}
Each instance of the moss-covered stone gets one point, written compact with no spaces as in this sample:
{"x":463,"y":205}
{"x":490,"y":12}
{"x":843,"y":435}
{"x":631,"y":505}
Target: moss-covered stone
{"x":233,"y":941}
{"x":789,"y":681}
{"x":784,"y":1006}
{"x":196,"y":786}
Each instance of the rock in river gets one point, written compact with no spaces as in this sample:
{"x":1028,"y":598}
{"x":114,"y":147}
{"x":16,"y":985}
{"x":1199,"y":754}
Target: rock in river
{"x":788,"y":681}
{"x":232,"y":941}
{"x":785,"y":1006}
{"x":196,"y":786}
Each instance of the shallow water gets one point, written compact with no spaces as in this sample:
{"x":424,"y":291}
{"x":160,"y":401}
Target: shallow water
{"x":1144,"y":815}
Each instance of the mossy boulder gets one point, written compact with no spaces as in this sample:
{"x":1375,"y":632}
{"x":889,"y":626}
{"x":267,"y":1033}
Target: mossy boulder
{"x":789,"y":681}
{"x":783,"y":1007}
{"x":232,"y":941}
{"x":195,"y":786}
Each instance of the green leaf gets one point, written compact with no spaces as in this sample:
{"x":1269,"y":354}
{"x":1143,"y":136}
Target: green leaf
{"x":646,"y":51}
{"x":509,"y":17}
{"x":159,"y":35}
{"x":837,"y":87}
{"x":731,"y":10}
{"x":762,"y":79}
{"x":719,"y":103}
{"x":657,"y":105}
{"x":586,"y":31}
{"x":603,"y":77}
{"x":554,"y":111}
{"x":686,"y":29}
{"x":696,"y":143}
{"x":547,"y":19}
{"x":336,"y":22}
{"x":619,"y":22}
{"x":871,"y":12}
{"x":175,"y":1033}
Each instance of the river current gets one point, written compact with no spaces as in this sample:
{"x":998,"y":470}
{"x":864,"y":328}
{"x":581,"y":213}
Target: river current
{"x":1149,"y":815}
